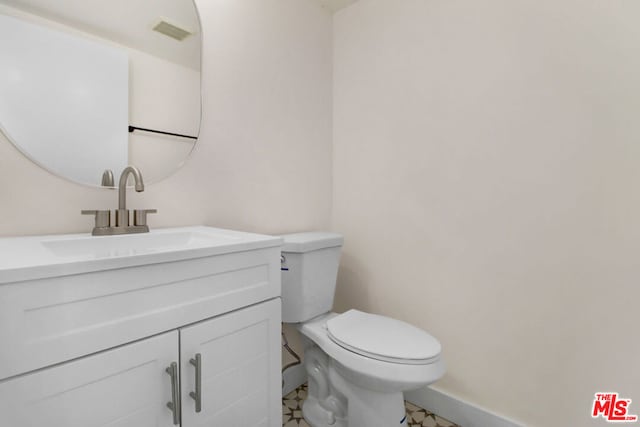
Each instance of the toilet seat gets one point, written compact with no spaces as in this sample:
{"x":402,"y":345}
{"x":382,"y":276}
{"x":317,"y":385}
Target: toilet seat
{"x":366,"y":371}
{"x":383,"y":338}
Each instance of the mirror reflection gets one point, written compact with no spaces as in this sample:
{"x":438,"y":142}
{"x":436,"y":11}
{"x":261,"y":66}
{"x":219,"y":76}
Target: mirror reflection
{"x":88,"y":86}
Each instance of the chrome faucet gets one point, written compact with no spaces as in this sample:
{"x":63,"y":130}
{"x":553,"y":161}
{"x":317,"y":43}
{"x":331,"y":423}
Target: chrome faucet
{"x":122,"y":214}
{"x":122,"y":225}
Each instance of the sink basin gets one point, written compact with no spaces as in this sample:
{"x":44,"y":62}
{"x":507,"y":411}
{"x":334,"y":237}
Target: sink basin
{"x":27,"y":258}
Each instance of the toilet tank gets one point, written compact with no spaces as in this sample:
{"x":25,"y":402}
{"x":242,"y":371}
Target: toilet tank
{"x":309,"y":270}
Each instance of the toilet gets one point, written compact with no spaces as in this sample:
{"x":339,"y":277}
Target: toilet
{"x":358,"y":364}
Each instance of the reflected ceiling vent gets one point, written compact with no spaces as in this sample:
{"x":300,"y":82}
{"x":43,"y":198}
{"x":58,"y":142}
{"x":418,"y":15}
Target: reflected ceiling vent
{"x":172,"y":30}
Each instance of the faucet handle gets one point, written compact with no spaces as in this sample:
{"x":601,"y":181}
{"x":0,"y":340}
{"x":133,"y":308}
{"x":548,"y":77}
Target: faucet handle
{"x":102,"y":218}
{"x":140,"y":216}
{"x":107,"y":178}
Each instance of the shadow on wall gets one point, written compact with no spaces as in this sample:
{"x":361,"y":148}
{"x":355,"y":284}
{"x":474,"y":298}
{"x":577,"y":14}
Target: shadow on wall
{"x":352,"y":288}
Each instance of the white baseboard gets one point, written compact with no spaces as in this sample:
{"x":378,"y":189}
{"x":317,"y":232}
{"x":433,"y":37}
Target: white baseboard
{"x":456,"y":410}
{"x":293,"y":378}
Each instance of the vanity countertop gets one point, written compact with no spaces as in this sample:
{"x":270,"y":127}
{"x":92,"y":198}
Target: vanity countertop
{"x":36,"y":257}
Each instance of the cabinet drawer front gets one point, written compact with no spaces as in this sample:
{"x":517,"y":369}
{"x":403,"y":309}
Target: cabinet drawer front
{"x":240,"y":368}
{"x":124,"y":387}
{"x":48,"y":321}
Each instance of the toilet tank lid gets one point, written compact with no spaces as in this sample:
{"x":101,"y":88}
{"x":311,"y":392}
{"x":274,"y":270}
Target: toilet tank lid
{"x":311,"y":241}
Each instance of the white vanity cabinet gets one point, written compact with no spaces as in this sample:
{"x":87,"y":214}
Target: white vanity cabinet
{"x":94,"y":342}
{"x":125,"y":387}
{"x":130,"y":386}
{"x":239,"y":374}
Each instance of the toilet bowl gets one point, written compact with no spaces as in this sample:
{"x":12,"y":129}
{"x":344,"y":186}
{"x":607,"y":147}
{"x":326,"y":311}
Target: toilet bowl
{"x":350,"y":388}
{"x":358,"y":364}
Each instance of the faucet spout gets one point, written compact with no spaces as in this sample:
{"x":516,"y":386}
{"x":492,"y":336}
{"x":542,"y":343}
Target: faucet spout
{"x":103,"y":225}
{"x":122,"y":187}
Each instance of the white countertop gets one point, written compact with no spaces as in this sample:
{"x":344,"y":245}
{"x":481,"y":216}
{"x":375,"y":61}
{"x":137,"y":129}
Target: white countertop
{"x":36,"y":257}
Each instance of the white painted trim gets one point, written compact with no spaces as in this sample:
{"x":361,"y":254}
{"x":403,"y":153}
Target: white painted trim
{"x":457,"y":410}
{"x":293,"y":378}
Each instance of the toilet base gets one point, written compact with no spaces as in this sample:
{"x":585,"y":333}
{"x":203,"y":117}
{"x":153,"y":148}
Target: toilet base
{"x":316,"y":415}
{"x":335,"y":402}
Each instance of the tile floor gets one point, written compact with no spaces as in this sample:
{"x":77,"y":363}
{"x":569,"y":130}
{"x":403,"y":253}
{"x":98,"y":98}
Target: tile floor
{"x":292,"y":412}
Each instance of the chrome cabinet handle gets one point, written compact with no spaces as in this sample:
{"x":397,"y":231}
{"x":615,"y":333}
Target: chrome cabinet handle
{"x":174,"y":405}
{"x":197,"y":396}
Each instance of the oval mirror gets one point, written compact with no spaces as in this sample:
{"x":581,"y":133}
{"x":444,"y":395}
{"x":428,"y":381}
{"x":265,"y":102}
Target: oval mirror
{"x":91,"y":86}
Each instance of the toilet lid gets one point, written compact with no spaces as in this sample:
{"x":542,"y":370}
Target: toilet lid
{"x":382,"y":338}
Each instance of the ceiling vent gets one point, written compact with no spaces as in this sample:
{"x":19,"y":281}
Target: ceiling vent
{"x":171,"y":30}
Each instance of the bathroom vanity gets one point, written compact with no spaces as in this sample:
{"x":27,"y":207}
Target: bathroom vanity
{"x":174,"y":327}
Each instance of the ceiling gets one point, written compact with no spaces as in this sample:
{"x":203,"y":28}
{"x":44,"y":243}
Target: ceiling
{"x":335,"y":5}
{"x":130,"y":22}
{"x":126,"y":22}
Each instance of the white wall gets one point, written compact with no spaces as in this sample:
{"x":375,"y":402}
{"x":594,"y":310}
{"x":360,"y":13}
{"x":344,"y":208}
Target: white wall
{"x":487,"y":182}
{"x":263,"y":161}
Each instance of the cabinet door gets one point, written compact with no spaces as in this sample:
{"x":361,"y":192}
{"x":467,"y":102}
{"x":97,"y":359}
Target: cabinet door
{"x":240,"y":369}
{"x":124,"y":387}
